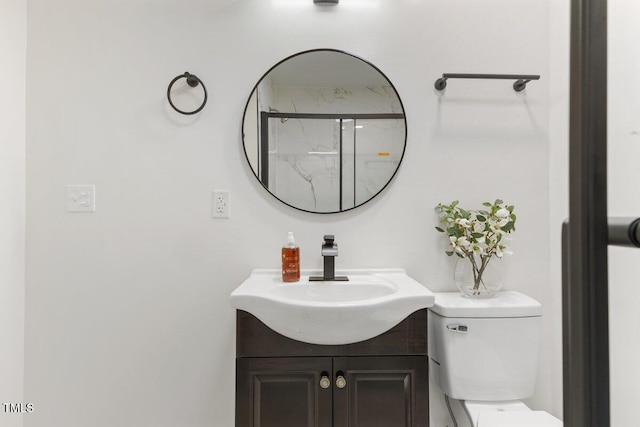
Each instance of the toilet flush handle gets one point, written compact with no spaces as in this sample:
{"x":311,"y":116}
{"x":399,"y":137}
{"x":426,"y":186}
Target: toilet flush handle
{"x":462,"y":329}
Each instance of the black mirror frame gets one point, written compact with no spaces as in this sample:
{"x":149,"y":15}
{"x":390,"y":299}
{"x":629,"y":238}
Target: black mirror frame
{"x":255,"y":88}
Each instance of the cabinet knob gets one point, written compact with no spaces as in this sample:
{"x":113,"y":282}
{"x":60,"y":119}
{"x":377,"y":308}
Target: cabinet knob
{"x":325,"y":382}
{"x":341,"y":382}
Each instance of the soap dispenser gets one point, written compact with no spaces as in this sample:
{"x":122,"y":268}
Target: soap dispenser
{"x":290,"y":260}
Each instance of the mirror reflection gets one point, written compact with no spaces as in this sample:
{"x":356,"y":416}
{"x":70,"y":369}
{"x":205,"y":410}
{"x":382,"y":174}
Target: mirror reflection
{"x":324,"y":131}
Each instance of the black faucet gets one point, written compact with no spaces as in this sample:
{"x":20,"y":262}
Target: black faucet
{"x":329,"y":253}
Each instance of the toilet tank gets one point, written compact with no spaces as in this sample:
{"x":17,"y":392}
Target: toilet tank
{"x":484,"y":349}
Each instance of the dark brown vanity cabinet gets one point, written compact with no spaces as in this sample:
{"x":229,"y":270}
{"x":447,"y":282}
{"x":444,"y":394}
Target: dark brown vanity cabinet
{"x":381,"y":382}
{"x":283,"y":391}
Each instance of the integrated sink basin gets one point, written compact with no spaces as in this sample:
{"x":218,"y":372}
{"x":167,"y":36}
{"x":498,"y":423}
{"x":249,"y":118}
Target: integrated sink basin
{"x":331,"y":313}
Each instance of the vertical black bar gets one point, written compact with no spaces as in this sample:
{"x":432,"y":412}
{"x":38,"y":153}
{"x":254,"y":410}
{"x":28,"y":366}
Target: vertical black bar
{"x":585,"y":294}
{"x":354,"y":163}
{"x":340,"y":164}
{"x":264,"y":148}
{"x":258,"y":124}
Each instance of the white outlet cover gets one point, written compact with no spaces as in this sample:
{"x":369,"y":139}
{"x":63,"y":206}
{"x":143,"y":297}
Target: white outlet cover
{"x":81,"y":198}
{"x":220,"y":204}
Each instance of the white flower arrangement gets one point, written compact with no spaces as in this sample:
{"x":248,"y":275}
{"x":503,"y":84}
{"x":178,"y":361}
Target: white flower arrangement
{"x":477,"y":235}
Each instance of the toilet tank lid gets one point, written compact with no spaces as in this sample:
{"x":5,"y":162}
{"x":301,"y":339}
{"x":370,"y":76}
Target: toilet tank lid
{"x":503,"y":304}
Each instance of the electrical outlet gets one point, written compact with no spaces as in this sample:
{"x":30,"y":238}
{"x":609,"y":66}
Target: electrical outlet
{"x":220,"y":204}
{"x":81,"y":198}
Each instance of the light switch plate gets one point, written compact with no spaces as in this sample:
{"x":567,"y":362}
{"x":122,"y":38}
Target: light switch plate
{"x":81,"y":198}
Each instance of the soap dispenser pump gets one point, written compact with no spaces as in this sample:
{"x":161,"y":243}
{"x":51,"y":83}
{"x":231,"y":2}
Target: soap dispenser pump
{"x":290,"y":260}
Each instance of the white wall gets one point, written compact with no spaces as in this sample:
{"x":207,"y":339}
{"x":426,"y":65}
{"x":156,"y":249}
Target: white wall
{"x":127,"y":319}
{"x":624,"y":200}
{"x":550,"y":378}
{"x":13,"y":51}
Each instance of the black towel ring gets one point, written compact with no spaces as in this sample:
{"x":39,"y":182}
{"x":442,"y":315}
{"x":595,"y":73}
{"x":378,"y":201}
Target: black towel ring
{"x":193,"y":81}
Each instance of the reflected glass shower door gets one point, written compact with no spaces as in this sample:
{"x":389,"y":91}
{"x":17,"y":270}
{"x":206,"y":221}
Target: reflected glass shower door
{"x":348,"y":193}
{"x":623,"y":152}
{"x":379,"y":149}
{"x":304,"y":159}
{"x":323,"y":163}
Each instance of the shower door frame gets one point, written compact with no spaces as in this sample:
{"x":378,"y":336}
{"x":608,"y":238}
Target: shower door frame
{"x":585,"y":235}
{"x":263,"y":165}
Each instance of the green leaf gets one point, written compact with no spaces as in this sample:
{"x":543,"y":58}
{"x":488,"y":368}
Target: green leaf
{"x":513,"y":217}
{"x":459,"y":255}
{"x":508,"y":227}
{"x":477,"y":235}
{"x":498,"y":202}
{"x":440,"y":229}
{"x":487,"y":204}
{"x":454,"y":204}
{"x":454,"y":231}
{"x":465,"y":214}
{"x":510,"y":208}
{"x":481,"y":218}
{"x":449,"y":253}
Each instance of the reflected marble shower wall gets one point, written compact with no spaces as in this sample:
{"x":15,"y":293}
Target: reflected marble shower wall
{"x":337,"y":100}
{"x":305,"y":153}
{"x":304,"y":163}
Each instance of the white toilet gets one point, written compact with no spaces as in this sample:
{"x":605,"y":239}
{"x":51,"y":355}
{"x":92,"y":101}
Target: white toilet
{"x":484,"y":352}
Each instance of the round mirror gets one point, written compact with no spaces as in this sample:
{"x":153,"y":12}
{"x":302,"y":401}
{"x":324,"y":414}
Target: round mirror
{"x":324,"y":131}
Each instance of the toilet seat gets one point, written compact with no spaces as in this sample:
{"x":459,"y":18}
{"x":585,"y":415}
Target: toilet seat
{"x":518,"y":418}
{"x":513,"y":413}
{"x":474,"y":408}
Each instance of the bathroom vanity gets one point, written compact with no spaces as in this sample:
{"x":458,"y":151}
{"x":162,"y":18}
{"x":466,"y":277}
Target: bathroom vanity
{"x":332,"y":354}
{"x":380,"y":382}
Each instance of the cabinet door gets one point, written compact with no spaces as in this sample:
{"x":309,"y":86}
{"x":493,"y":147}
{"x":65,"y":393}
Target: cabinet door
{"x":283,"y":392}
{"x":388,"y":391}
